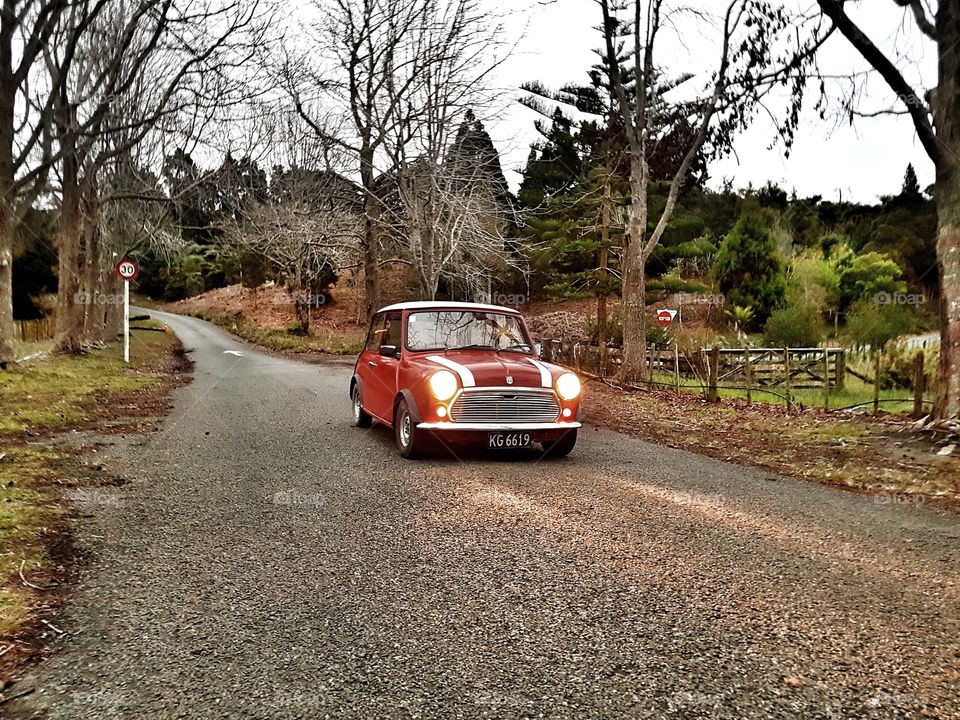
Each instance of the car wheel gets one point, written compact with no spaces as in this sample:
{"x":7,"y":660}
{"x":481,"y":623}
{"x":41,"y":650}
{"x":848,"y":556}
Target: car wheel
{"x":562,"y":447}
{"x":360,"y":417}
{"x":410,"y":442}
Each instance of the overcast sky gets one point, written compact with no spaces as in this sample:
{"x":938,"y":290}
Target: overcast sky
{"x":861,"y":162}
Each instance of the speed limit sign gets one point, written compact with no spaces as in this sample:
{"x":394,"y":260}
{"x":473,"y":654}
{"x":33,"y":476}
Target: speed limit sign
{"x":127,"y":269}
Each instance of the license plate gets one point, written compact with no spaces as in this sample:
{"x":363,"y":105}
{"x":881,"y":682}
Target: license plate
{"x":507,"y":440}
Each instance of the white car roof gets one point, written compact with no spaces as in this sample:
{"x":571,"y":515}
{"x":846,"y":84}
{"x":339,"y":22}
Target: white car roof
{"x":445,"y":305}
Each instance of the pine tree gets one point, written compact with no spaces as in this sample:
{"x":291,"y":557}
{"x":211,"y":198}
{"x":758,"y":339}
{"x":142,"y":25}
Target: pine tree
{"x":554,"y":163}
{"x":911,"y":186}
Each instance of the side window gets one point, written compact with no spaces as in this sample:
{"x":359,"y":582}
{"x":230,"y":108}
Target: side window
{"x":376,"y":331}
{"x":392,"y":334}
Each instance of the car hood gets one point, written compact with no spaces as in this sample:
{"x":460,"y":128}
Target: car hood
{"x":490,"y":369}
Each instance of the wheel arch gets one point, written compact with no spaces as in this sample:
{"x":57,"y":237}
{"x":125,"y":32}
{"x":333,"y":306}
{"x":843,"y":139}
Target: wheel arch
{"x":405,"y":394}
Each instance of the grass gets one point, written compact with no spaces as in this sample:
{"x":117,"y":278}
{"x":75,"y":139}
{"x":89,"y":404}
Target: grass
{"x":42,"y":398}
{"x":62,"y":391}
{"x":321,"y":340}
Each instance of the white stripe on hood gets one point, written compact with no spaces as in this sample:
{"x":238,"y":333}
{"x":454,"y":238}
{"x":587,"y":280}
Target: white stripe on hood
{"x":466,"y":377}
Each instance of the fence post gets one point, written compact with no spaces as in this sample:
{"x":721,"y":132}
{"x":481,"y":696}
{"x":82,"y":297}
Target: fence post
{"x":786,"y":377}
{"x":876,"y":383}
{"x":841,"y":378}
{"x":826,"y":380}
{"x":748,"y":372}
{"x":712,"y":394}
{"x":676,"y":367}
{"x":918,"y":385}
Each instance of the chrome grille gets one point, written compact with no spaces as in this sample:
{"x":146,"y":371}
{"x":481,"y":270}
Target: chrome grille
{"x":498,"y":406}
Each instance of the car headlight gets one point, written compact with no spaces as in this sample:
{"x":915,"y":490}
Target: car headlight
{"x":568,"y":386}
{"x":443,"y":384}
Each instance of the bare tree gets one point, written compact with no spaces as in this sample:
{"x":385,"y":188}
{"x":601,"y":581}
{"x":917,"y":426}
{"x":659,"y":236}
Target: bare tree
{"x":449,"y":212}
{"x":390,"y":72}
{"x":307,"y":235}
{"x":936,"y":117}
{"x":137,"y":68}
{"x":27,"y":149}
{"x":748,"y":64}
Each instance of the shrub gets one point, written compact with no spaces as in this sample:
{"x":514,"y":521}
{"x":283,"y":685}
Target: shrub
{"x":875,"y":324}
{"x":297,"y":328}
{"x":799,"y":325}
{"x":658,"y":336}
{"x":614,"y":329}
{"x":748,"y":267}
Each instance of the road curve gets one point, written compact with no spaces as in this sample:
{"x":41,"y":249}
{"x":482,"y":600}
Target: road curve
{"x":267,"y":560}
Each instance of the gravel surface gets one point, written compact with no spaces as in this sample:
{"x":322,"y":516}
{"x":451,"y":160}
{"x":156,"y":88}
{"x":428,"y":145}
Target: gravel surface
{"x":269,"y":561}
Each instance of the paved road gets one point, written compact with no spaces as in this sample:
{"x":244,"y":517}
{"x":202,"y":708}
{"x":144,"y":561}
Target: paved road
{"x":267,"y":560}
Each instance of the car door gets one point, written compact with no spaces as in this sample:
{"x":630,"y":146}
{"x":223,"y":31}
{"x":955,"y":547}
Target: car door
{"x":368,"y":361}
{"x":380,"y":387}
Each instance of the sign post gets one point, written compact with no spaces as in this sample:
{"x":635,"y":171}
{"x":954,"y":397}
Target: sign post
{"x":126,"y":270}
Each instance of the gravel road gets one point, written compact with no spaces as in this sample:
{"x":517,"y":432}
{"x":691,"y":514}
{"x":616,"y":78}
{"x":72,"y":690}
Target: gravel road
{"x":269,"y":561}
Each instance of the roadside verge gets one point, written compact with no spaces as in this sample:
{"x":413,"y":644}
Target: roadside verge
{"x":55,"y":413}
{"x":882,"y":457}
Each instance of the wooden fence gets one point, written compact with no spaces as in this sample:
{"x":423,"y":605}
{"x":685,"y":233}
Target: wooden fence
{"x":774,"y":371}
{"x":801,"y":368}
{"x":798,"y":368}
{"x":34,"y":330}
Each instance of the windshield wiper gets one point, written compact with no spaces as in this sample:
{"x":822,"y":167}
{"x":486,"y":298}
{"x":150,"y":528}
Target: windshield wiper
{"x":474,"y":346}
{"x":517,"y":348}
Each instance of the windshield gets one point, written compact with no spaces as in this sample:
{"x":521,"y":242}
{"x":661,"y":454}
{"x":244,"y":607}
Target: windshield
{"x":456,"y":329}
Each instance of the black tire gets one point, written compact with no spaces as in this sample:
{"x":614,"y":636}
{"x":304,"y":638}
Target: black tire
{"x":411,"y":443}
{"x":360,"y":417}
{"x":562,"y":447}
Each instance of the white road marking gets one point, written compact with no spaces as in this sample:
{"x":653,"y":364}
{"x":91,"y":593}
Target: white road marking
{"x":233,"y":352}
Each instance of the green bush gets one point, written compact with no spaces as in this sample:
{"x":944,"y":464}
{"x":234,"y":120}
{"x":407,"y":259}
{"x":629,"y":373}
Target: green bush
{"x":799,"y":325}
{"x":748,"y":267}
{"x":297,"y":328}
{"x":614,"y":329}
{"x":875,"y":324}
{"x":861,"y":277}
{"x":658,"y":337}
{"x":674,"y":284}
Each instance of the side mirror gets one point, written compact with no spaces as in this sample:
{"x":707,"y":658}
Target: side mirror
{"x":389,"y":350}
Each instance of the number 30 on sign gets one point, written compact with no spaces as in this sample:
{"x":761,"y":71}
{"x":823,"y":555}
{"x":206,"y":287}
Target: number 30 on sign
{"x":127,"y":269}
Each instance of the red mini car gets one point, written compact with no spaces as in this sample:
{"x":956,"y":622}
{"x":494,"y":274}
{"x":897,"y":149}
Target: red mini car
{"x":462,"y":373}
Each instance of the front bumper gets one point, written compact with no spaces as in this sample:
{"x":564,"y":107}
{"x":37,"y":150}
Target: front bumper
{"x":496,"y":427}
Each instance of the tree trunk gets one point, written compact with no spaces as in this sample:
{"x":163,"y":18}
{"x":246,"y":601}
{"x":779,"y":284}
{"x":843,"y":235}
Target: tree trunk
{"x":93,"y":280}
{"x":634,"y":279}
{"x":8,"y":98}
{"x":113,"y":313}
{"x":946,"y":106}
{"x":70,"y":301}
{"x":948,"y":254}
{"x":602,"y":295}
{"x":7,"y":227}
{"x":371,"y":249}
